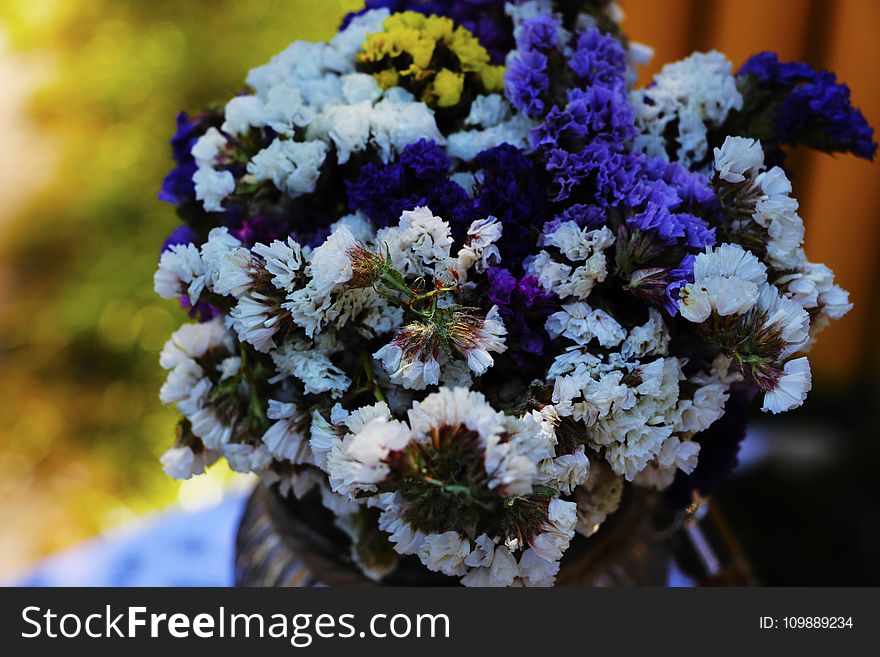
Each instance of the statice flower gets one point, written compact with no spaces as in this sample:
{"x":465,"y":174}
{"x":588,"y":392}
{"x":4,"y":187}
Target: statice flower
{"x":805,"y":106}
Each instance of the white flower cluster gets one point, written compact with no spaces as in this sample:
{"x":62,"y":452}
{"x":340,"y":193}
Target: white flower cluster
{"x":312,"y":97}
{"x":692,"y":95}
{"x":511,"y":454}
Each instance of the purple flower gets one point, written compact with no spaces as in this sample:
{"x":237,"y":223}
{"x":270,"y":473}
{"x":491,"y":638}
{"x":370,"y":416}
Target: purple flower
{"x":202,"y":310}
{"x":526,"y":83}
{"x":805,"y":106}
{"x":599,"y":59}
{"x":524,"y":306}
{"x":420,"y":176}
{"x":538,"y":33}
{"x":510,"y":191}
{"x":674,"y":228}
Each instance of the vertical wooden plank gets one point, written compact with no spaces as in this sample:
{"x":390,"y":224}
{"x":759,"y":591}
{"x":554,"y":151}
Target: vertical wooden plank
{"x":665,"y":26}
{"x":741,"y":28}
{"x":841,"y":201}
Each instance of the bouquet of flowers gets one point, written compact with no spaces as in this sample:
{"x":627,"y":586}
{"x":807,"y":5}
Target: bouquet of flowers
{"x":462,"y":283}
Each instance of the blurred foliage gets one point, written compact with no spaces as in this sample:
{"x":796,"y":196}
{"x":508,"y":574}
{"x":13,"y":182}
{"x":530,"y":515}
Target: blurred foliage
{"x":81,"y":427}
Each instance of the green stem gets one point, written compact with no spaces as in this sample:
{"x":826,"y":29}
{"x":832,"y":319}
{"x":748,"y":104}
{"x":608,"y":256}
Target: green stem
{"x":371,"y":376}
{"x":254,"y":406}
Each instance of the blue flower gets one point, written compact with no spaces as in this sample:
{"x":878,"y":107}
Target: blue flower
{"x":599,"y":59}
{"x":420,"y":176}
{"x":524,"y":306}
{"x":509,"y":190}
{"x":526,"y":82}
{"x":807,"y":106}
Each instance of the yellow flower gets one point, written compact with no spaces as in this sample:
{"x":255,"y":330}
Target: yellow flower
{"x":447,"y":88}
{"x":470,"y":53}
{"x":404,"y":52}
{"x":492,"y":78}
{"x":403,"y":20}
{"x":439,"y":28}
{"x":387,"y":78}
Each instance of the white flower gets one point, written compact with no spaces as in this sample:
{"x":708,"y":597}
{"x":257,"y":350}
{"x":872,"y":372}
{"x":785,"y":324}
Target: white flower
{"x":232,"y":275}
{"x":737,"y":158}
{"x":256,"y":320}
{"x":396,"y":124}
{"x":311,"y":364}
{"x":726,"y":281}
{"x":496,"y":566}
{"x":679,"y":454}
{"x":535,"y":570}
{"x":465,"y":145}
{"x":648,"y":339}
{"x":212,"y":187}
{"x":180,"y":271}
{"x":489,"y":110}
{"x":193,"y":341}
{"x":293,"y":167}
{"x":480,"y":251}
{"x":475,"y":338}
{"x":357,"y":464}
{"x":551,"y":274}
{"x":331,"y":264}
{"x":241,"y":113}
{"x":565,"y":472}
{"x":247,"y":458}
{"x":347,"y":126}
{"x":413,"y":374}
{"x":785,"y":318}
{"x":183,"y":463}
{"x":207,"y":148}
{"x":308,"y":308}
{"x":286,"y":437}
{"x":406,"y":540}
{"x":557,"y":532}
{"x":219,"y":244}
{"x":445,"y":552}
{"x":577,"y":243}
{"x":358,"y":87}
{"x":213,"y":431}
{"x":420,"y":242}
{"x":598,"y":497}
{"x":688,"y":95}
{"x":283,"y":260}
{"x":791,"y":389}
{"x":323,"y":436}
{"x":578,"y":322}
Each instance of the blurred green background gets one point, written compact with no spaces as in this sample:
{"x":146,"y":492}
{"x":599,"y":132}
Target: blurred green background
{"x":93,"y":87}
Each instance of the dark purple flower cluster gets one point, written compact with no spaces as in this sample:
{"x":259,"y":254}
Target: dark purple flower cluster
{"x":420,"y":176}
{"x":583,"y":145}
{"x":808,"y":106}
{"x":509,"y":190}
{"x":506,"y":189}
{"x":484,"y":18}
{"x":524,"y":306}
